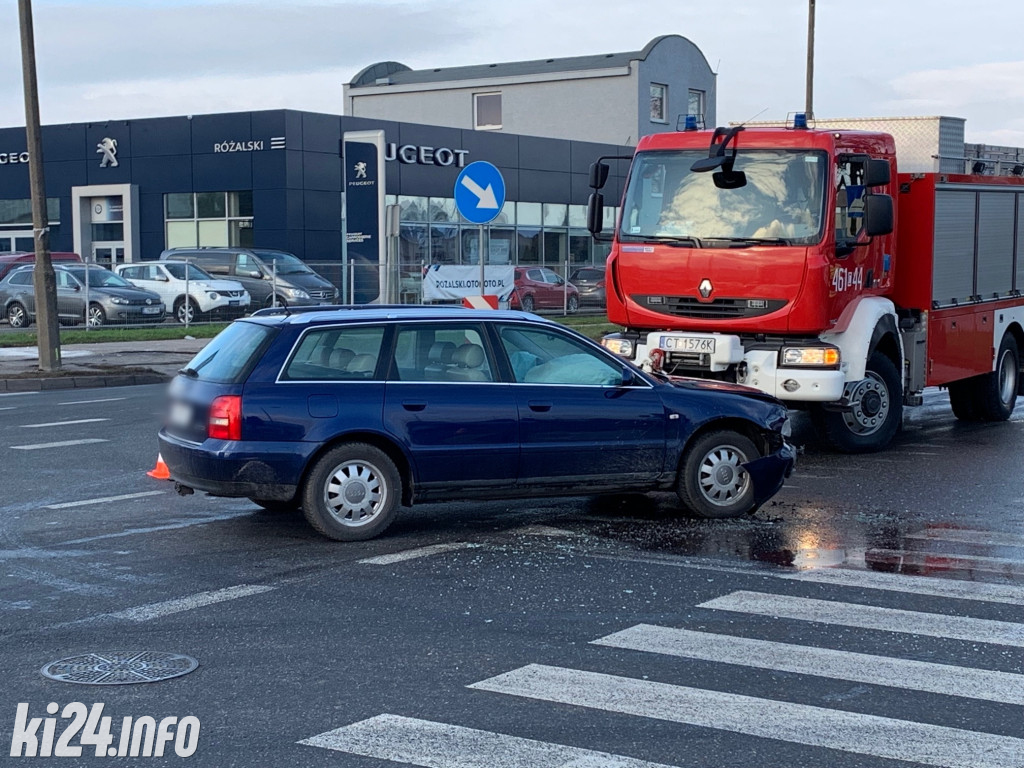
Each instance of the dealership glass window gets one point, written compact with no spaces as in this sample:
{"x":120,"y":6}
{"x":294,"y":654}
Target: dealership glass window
{"x":528,"y":214}
{"x":529,"y":245}
{"x":556,"y":246}
{"x":413,"y":245}
{"x":501,"y":245}
{"x":443,"y":209}
{"x":578,"y":216}
{"x":413,"y":208}
{"x":507,"y":214}
{"x":695,"y":103}
{"x":16,"y":213}
{"x":209,"y":219}
{"x":556,"y":214}
{"x":579,"y":246}
{"x":444,"y":244}
{"x":659,"y":105}
{"x":487,"y":111}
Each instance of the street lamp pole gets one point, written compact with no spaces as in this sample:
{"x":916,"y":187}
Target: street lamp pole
{"x":48,"y":335}
{"x":809,"y":102}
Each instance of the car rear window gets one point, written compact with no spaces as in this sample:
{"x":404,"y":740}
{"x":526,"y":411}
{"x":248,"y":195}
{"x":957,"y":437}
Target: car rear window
{"x":231,"y":355}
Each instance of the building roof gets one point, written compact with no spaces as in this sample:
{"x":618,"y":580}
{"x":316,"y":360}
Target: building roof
{"x":399,"y":74}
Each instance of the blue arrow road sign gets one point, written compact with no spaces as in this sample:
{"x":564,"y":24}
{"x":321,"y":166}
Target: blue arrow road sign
{"x":479,"y":192}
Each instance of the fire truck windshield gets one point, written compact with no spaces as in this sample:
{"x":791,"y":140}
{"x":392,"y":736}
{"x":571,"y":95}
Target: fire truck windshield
{"x":782,"y":202}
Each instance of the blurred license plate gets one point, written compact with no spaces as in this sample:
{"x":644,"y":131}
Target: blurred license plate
{"x":151,"y":310}
{"x":233,"y":303}
{"x":688,"y":344}
{"x":180,"y":414}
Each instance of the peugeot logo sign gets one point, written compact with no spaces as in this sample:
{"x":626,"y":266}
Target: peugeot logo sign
{"x":705,"y":288}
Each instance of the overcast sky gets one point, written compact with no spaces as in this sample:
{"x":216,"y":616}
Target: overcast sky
{"x":101,"y":60}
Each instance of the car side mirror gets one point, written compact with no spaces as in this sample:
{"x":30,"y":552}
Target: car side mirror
{"x":878,"y":215}
{"x":256,"y":273}
{"x":877,"y":173}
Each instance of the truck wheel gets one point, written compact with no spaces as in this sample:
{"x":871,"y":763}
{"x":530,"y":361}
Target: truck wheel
{"x":352,"y":492}
{"x":962,"y":399}
{"x":875,"y":415}
{"x":996,"y":392}
{"x":711,"y":482}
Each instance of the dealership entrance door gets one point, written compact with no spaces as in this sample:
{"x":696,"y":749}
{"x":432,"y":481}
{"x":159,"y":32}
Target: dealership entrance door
{"x":106,"y":223}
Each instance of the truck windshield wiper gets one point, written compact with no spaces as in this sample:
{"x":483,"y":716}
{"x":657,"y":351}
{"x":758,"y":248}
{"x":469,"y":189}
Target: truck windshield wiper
{"x":680,"y":240}
{"x":739,"y":242}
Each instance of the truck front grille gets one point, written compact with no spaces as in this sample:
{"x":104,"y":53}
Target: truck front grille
{"x":716,"y":309}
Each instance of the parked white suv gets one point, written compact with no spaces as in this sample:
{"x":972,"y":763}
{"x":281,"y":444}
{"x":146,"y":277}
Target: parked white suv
{"x":210,"y":297}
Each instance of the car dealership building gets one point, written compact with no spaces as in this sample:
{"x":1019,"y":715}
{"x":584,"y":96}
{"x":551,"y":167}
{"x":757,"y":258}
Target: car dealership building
{"x":123,"y":191}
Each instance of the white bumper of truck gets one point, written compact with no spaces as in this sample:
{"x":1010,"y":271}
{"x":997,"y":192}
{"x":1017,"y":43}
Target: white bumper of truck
{"x":758,"y":368}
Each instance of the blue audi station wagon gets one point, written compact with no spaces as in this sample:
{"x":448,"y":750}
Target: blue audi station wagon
{"x":351,"y":412}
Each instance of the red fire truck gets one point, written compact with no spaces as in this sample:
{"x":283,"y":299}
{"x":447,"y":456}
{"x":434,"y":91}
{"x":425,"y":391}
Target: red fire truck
{"x":798,"y":261}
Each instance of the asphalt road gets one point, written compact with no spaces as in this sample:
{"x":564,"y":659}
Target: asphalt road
{"x":871,"y":615}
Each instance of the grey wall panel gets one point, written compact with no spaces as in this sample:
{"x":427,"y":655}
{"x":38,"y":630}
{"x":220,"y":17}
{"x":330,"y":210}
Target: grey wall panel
{"x":953,"y":275}
{"x":995,"y":243}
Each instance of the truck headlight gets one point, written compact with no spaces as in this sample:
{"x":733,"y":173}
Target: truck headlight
{"x":621,"y":347}
{"x":817,"y":356}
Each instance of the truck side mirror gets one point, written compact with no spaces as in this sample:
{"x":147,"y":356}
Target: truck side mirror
{"x":878,"y":215}
{"x":595,"y":213}
{"x":598,"y":175}
{"x":877,"y":173}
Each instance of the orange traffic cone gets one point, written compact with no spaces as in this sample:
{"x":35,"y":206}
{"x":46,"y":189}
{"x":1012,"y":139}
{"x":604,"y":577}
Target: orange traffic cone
{"x":160,"y":471}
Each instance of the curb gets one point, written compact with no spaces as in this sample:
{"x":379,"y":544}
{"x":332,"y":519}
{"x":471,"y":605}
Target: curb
{"x":42,"y":384}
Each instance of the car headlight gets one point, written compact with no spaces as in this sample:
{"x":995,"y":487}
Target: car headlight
{"x":213,"y":295}
{"x":621,"y":347}
{"x":817,"y":356}
{"x":118,"y":300}
{"x":296,"y":293}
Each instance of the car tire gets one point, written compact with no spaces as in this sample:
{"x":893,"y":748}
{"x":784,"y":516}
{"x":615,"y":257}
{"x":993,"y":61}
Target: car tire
{"x":185,"y":310}
{"x":95,"y":316}
{"x":711,"y":484}
{"x":17,"y":316}
{"x":868,"y":428}
{"x":573,"y":304}
{"x":526,"y":303}
{"x":996,"y":392}
{"x":352,"y":492}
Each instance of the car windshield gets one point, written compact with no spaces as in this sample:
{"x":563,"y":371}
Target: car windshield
{"x":782,"y":202}
{"x":179,"y":270}
{"x":100,"y":278}
{"x":287,"y":264}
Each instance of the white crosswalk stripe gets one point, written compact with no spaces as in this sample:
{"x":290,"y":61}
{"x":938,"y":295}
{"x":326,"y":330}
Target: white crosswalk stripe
{"x":798,"y":723}
{"x":439,"y":745}
{"x":917,"y":585}
{"x":822,"y":662}
{"x":968,"y":536}
{"x":900,"y":558}
{"x":871,"y":617}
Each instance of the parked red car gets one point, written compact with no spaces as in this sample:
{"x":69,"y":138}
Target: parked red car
{"x":542,"y":288}
{"x":9,"y":261}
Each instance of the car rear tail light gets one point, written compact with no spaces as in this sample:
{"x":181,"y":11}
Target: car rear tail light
{"x":226,"y":418}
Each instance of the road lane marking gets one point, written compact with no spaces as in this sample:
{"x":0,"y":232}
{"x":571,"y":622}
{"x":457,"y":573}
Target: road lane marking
{"x":892,"y":672}
{"x":765,"y":718}
{"x":9,"y":408}
{"x":439,"y":745}
{"x":871,"y":617}
{"x":16,"y":394}
{"x":155,"y":528}
{"x":917,"y":585}
{"x":198,"y":600}
{"x":62,"y":423}
{"x":966,"y":536}
{"x":61,"y":444}
{"x":104,"y":500}
{"x":85,"y":402}
{"x":412,"y":554}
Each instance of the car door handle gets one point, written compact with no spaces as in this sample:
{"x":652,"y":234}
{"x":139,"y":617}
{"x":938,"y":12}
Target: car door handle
{"x":540,"y":407}
{"x":413,"y":405}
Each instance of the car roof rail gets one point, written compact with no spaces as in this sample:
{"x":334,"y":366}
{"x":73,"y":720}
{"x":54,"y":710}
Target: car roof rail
{"x":286,"y":310}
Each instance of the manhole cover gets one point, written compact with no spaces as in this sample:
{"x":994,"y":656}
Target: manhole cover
{"x":120,"y":667}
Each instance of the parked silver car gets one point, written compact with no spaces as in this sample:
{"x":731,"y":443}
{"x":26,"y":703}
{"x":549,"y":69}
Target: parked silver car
{"x":209,"y":296}
{"x":90,"y":293}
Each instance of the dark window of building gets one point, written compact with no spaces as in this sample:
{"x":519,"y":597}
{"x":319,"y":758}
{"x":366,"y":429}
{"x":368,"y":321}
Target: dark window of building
{"x":695,"y":103}
{"x":487,"y":110}
{"x":19,"y":212}
{"x":659,"y":99}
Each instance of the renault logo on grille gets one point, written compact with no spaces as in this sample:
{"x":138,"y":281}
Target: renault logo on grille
{"x":705,"y":288}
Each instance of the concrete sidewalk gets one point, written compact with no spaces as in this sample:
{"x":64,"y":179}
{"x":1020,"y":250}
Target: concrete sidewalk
{"x":107,"y":364}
